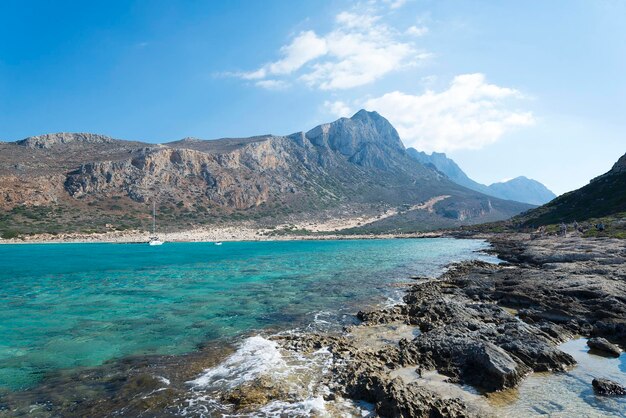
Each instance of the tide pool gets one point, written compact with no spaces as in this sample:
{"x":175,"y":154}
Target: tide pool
{"x":72,"y":305}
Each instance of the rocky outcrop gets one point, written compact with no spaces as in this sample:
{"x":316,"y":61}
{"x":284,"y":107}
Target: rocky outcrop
{"x":606,"y":387}
{"x":620,"y":166}
{"x":51,"y":140}
{"x":604,"y":347}
{"x":468,"y":331}
{"x":177,"y":173}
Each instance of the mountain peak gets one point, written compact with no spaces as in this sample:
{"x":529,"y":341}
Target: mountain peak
{"x":366,"y":115}
{"x":358,"y":137}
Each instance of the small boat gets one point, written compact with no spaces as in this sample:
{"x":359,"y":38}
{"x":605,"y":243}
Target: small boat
{"x":218,"y":243}
{"x":154,"y":240}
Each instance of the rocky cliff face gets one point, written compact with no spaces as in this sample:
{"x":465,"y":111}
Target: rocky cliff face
{"x":353,"y":165}
{"x":185,"y":175}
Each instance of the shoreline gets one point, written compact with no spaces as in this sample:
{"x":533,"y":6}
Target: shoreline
{"x":198,"y":235}
{"x":488,"y":326}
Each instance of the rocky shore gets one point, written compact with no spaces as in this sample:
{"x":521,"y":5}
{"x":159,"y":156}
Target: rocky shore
{"x":483,"y":325}
{"x":455,"y":343}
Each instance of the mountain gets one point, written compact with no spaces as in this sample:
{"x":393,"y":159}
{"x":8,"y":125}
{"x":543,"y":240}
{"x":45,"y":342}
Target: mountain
{"x":351,"y":167}
{"x":604,"y":196}
{"x":520,"y":189}
{"x":448,"y":167}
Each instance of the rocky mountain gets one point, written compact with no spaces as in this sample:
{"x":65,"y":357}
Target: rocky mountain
{"x":520,"y":189}
{"x":351,"y":167}
{"x":604,"y":196}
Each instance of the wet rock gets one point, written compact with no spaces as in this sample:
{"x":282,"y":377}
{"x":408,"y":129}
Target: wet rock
{"x":606,"y":387}
{"x":604,"y":347}
{"x":256,"y":393}
{"x":384,"y":316}
{"x":494,"y":367}
{"x":399,"y":400}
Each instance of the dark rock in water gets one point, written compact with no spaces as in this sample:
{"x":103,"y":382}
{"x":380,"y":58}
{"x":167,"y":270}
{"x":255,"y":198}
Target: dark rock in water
{"x":604,"y":347}
{"x":606,"y":387}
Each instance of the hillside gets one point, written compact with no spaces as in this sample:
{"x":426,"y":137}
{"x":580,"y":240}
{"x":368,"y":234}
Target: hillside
{"x":520,"y":189}
{"x":604,"y":196}
{"x":351,"y":167}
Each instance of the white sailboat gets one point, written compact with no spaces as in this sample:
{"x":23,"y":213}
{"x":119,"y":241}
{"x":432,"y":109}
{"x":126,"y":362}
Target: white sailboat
{"x":154,"y":240}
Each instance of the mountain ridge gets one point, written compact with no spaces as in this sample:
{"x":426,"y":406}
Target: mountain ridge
{"x":348,"y":167}
{"x":521,"y":188}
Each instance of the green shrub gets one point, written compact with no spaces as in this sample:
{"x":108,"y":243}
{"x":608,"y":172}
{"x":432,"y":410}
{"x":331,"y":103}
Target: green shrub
{"x":9,"y":234}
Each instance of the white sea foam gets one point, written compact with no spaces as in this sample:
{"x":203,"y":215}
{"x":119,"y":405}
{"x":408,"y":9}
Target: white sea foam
{"x":302,"y":375}
{"x":304,"y":408}
{"x":163,"y":380}
{"x":255,"y":356}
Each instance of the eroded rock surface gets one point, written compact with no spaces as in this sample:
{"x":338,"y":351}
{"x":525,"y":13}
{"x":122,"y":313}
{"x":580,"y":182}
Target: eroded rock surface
{"x":468,"y":330}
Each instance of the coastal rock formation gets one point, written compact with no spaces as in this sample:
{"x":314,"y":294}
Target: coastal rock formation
{"x":485,"y":325}
{"x":603,"y":346}
{"x":606,"y":387}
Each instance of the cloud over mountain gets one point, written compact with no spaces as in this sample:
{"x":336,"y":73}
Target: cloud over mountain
{"x":470,"y":114}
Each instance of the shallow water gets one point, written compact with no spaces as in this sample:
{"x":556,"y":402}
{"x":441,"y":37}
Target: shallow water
{"x":65,"y":306}
{"x":567,"y":394}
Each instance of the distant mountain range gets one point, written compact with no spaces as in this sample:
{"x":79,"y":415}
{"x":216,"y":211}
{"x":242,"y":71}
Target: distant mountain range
{"x":520,"y":189}
{"x":353,"y":166}
{"x":604,"y":196}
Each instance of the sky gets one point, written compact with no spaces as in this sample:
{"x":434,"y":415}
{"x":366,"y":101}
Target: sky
{"x":507,"y":88}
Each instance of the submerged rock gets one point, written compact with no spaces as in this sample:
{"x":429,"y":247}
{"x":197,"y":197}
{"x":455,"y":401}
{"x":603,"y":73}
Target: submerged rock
{"x":604,"y":347}
{"x":606,"y":387}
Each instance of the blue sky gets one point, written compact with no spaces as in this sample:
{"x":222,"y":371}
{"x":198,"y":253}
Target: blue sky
{"x":506,"y":88}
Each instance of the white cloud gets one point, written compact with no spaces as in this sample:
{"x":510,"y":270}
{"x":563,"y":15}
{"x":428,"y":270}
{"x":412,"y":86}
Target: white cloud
{"x":272,"y":84}
{"x":395,"y":4}
{"x":338,"y":108}
{"x":417,"y":31}
{"x":469,"y":114}
{"x":359,"y":50}
{"x":304,"y":48}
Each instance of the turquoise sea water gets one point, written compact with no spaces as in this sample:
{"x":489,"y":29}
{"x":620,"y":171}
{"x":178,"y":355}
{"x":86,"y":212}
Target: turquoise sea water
{"x":70,"y":305}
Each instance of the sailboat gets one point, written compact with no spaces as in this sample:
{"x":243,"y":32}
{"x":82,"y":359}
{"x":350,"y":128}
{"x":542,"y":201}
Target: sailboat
{"x":154,"y":240}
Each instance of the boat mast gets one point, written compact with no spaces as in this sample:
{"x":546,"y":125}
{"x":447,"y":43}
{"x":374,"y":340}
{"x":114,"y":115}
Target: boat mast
{"x":154,"y":218}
